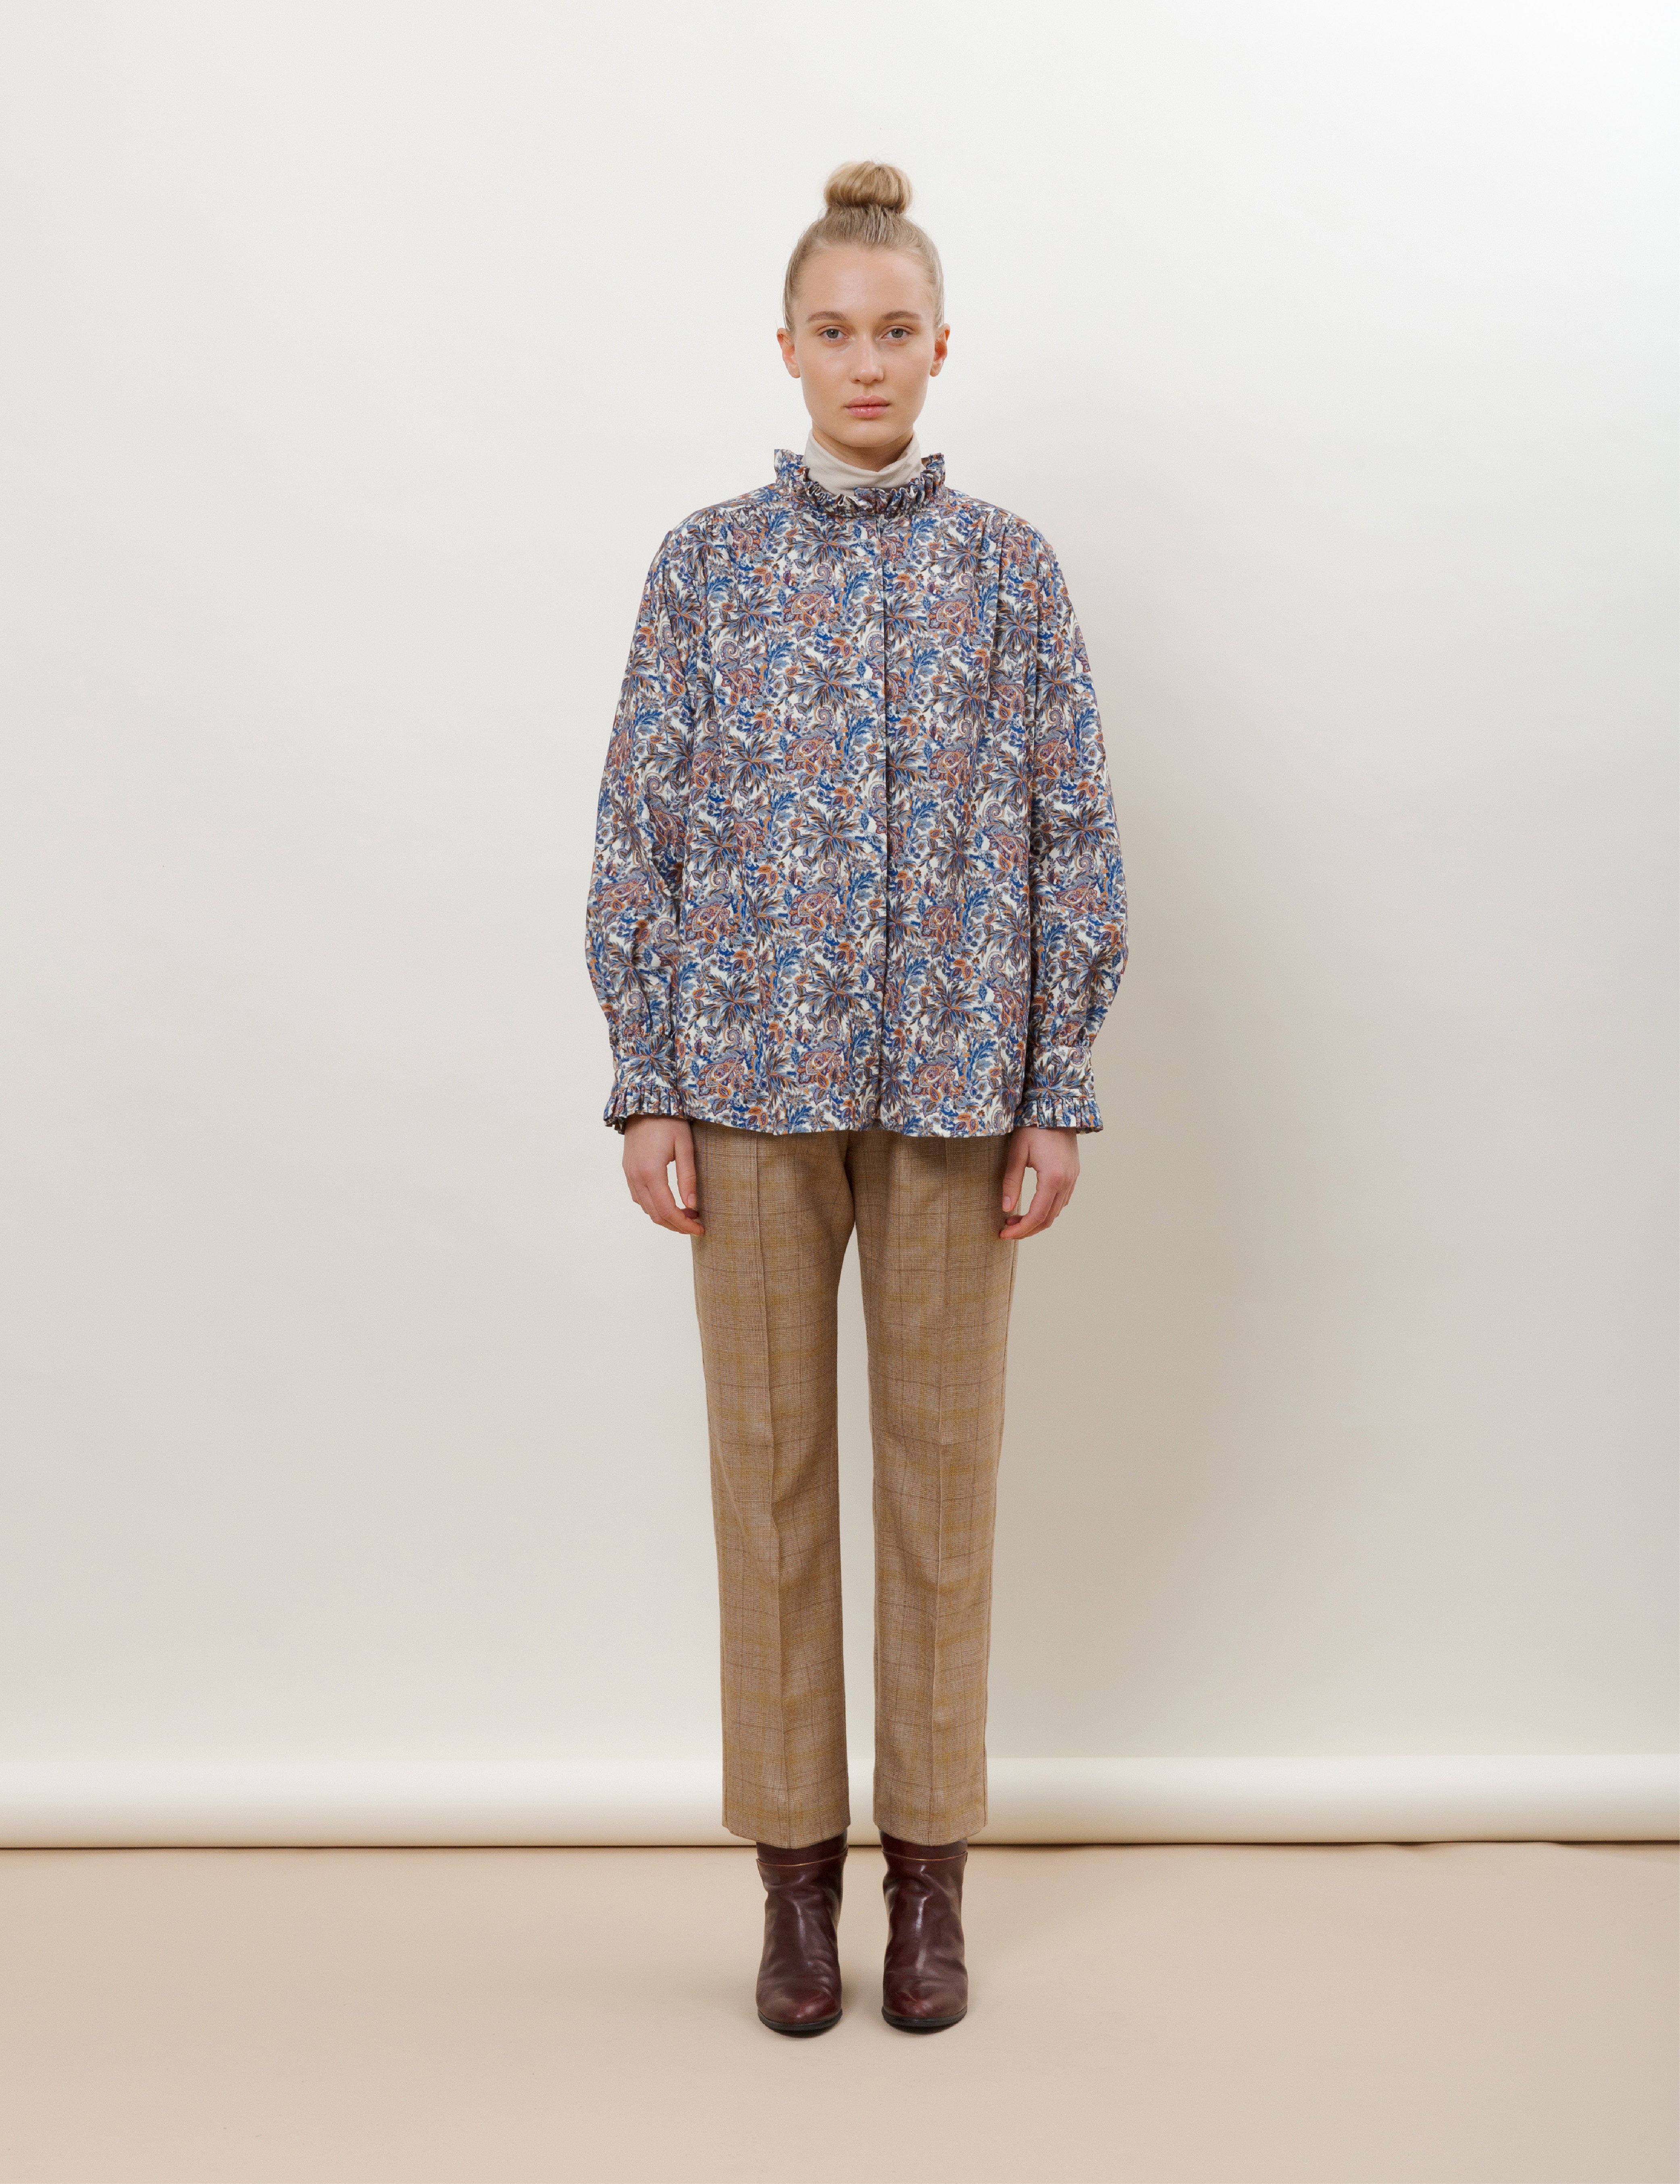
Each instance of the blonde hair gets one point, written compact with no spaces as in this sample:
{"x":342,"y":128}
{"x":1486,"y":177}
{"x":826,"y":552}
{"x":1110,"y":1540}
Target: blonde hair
{"x":865,"y":206}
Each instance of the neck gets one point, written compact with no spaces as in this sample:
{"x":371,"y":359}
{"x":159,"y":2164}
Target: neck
{"x":862,"y":459}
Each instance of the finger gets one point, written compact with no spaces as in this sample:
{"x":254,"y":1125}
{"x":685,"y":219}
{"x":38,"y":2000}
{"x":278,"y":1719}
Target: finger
{"x":1047,"y":1203}
{"x":659,"y":1205}
{"x":675,"y":1216}
{"x":1015,"y":1172}
{"x":1015,"y":1224}
{"x":687,"y":1184}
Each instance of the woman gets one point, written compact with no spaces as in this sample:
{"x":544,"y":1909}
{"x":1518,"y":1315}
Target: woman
{"x":857,"y":914}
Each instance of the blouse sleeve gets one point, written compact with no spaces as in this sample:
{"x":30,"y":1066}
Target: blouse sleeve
{"x":633,"y":920}
{"x":1078,"y":886}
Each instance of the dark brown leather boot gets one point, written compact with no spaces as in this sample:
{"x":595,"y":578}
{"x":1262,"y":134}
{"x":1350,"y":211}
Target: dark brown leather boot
{"x":800,"y":1972}
{"x":925,"y":1987}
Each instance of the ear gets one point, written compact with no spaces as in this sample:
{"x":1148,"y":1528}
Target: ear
{"x":942,"y":343}
{"x":784,"y":341}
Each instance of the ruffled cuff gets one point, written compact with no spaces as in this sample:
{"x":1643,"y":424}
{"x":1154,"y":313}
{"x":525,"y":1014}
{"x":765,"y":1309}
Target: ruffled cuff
{"x":641,"y":1088}
{"x":1059,"y":1093}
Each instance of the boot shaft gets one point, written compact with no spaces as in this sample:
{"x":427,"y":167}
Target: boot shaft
{"x":926,"y":1978}
{"x":798,"y":1989}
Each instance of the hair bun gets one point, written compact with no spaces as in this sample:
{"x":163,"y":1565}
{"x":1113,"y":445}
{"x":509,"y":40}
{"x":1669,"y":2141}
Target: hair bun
{"x":865,"y":210}
{"x":866,"y":182}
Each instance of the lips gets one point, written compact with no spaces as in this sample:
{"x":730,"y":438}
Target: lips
{"x":865,"y":409}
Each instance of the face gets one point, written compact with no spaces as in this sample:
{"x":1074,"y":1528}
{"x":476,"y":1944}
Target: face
{"x":863,"y":348}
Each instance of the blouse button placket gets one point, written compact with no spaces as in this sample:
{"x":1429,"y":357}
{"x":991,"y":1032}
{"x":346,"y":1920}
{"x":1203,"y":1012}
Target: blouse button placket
{"x":883,"y":575}
{"x":872,"y":532}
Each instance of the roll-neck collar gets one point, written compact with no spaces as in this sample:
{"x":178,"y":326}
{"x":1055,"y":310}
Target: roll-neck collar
{"x":835,"y":475}
{"x":794,"y":477}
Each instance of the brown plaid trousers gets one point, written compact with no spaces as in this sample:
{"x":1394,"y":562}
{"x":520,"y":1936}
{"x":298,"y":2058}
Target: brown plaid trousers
{"x":936,"y":1284}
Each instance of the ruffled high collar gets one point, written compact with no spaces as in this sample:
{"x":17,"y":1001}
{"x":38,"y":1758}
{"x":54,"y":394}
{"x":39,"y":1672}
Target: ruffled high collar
{"x":797,"y":482}
{"x":840,"y":476}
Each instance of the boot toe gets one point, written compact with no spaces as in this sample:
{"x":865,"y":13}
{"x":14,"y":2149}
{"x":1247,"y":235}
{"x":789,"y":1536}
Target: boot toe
{"x":919,"y":2008}
{"x":798,"y":2009}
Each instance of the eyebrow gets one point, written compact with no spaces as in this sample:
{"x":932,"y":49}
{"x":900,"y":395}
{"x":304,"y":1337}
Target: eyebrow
{"x":841,"y":318}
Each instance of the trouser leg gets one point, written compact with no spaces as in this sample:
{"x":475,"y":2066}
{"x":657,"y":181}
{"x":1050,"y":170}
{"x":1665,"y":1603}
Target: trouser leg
{"x":777,"y":1213}
{"x":936,"y":1284}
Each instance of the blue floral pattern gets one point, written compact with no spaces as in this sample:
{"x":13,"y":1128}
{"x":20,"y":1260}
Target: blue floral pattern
{"x":856,"y":860}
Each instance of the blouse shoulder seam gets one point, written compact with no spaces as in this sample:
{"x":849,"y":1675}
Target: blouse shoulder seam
{"x":1017,"y":527}
{"x":702,"y":520}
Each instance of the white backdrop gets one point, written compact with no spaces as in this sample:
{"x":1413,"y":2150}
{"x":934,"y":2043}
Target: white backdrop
{"x":356,"y":358}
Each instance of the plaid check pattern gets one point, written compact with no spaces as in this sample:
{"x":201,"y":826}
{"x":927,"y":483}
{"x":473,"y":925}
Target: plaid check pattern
{"x":779,"y":1210}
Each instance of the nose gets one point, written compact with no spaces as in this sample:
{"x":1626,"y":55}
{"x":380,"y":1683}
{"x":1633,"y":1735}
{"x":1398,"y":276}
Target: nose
{"x":867,"y":366}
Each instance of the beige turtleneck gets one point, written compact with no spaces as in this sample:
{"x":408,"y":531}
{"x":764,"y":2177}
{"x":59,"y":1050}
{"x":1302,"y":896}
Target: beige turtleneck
{"x":835,"y":477}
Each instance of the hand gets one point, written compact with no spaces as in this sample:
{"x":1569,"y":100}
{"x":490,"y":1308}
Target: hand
{"x":651,"y":1144}
{"x":1052,"y":1156}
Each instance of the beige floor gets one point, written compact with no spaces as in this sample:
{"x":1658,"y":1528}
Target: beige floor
{"x":1486,"y":2014}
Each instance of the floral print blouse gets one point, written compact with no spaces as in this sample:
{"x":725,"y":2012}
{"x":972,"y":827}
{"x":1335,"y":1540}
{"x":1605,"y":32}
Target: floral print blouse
{"x":856,"y":862}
